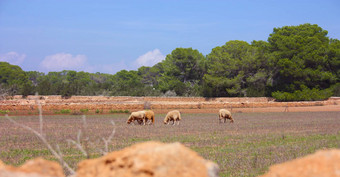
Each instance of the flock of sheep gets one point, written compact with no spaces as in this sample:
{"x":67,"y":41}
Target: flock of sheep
{"x":148,"y":117}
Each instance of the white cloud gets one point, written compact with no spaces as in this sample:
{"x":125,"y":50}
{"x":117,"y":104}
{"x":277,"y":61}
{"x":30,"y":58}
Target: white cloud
{"x":64,"y":61}
{"x":13,"y":58}
{"x":150,"y":58}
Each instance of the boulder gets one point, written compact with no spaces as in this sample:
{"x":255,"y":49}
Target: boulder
{"x":33,"y":168}
{"x":149,"y":159}
{"x":324,"y":163}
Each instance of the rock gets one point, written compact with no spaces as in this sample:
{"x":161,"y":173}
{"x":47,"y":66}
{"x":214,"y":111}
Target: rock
{"x":324,"y":163}
{"x":149,"y":159}
{"x":33,"y":168}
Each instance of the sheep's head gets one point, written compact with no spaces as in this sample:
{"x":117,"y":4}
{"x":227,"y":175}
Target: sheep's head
{"x":129,"y":120}
{"x":166,"y":121}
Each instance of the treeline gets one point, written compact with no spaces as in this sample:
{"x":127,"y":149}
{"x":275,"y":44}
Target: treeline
{"x":295,"y":63}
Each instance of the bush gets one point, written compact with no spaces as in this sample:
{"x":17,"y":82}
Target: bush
{"x":169,"y":93}
{"x":4,"y":111}
{"x":305,"y":94}
{"x":84,"y":110}
{"x":65,"y":111}
{"x":118,"y":111}
{"x":98,"y":111}
{"x":336,"y":89}
{"x":112,"y":111}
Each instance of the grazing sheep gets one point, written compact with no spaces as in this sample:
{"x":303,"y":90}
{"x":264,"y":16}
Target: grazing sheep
{"x":139,"y":116}
{"x":150,"y":116}
{"x":172,"y":116}
{"x":225,"y":114}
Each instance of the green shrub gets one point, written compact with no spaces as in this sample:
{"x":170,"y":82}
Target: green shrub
{"x":98,"y":111}
{"x":4,"y":111}
{"x":84,"y":110}
{"x":65,"y":111}
{"x":119,"y":111}
{"x":306,"y":94}
{"x":112,"y":111}
{"x":336,"y":89}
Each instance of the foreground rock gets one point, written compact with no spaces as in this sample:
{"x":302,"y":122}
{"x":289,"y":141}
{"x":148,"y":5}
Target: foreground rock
{"x":149,"y":159}
{"x":33,"y":168}
{"x":325,"y":163}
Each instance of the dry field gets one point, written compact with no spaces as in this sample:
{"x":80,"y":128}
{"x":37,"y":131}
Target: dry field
{"x":246,"y":148}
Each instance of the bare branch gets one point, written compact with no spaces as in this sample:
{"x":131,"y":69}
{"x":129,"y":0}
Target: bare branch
{"x":40,"y":114}
{"x":84,"y":122}
{"x":43,"y":139}
{"x":78,"y":144}
{"x":108,"y":140}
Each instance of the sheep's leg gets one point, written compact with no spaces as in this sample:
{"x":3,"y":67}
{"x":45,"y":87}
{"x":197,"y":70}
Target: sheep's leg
{"x":178,"y":122}
{"x":173,"y":122}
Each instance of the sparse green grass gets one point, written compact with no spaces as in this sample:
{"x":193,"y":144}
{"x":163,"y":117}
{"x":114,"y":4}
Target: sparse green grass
{"x":246,"y":148}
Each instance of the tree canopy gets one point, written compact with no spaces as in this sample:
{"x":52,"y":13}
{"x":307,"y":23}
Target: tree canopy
{"x":295,"y":63}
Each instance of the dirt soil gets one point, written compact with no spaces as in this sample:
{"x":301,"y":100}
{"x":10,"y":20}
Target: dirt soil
{"x":103,"y":104}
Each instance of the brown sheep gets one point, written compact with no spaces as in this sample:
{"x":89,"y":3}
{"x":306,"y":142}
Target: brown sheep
{"x":139,"y":116}
{"x":172,"y":116}
{"x":150,"y":115}
{"x":225,"y":114}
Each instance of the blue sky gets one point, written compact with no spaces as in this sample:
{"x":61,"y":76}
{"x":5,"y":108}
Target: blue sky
{"x":108,"y":36}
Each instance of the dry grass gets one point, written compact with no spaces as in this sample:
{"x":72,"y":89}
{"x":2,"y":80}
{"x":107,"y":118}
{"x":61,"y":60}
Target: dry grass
{"x":245,"y":148}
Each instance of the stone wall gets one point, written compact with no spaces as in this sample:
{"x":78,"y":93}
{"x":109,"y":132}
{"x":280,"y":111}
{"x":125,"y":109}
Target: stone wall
{"x":105,"y":104}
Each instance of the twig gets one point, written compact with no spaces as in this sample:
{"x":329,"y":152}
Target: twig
{"x":40,"y":114}
{"x":108,"y":140}
{"x":78,"y":144}
{"x":41,"y":136}
{"x":43,"y":139}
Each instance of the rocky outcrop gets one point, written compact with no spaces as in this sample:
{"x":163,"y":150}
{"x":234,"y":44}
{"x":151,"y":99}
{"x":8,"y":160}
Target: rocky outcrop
{"x":33,"y":168}
{"x":149,"y":159}
{"x":325,"y":163}
{"x":160,"y":160}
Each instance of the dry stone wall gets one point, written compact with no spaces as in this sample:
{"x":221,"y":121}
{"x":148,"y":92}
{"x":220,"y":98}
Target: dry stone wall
{"x":105,"y":104}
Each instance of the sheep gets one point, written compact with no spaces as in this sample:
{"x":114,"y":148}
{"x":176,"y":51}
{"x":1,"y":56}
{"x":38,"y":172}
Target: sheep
{"x":139,"y":116}
{"x":225,"y":114}
{"x":172,"y":116}
{"x":150,"y":115}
